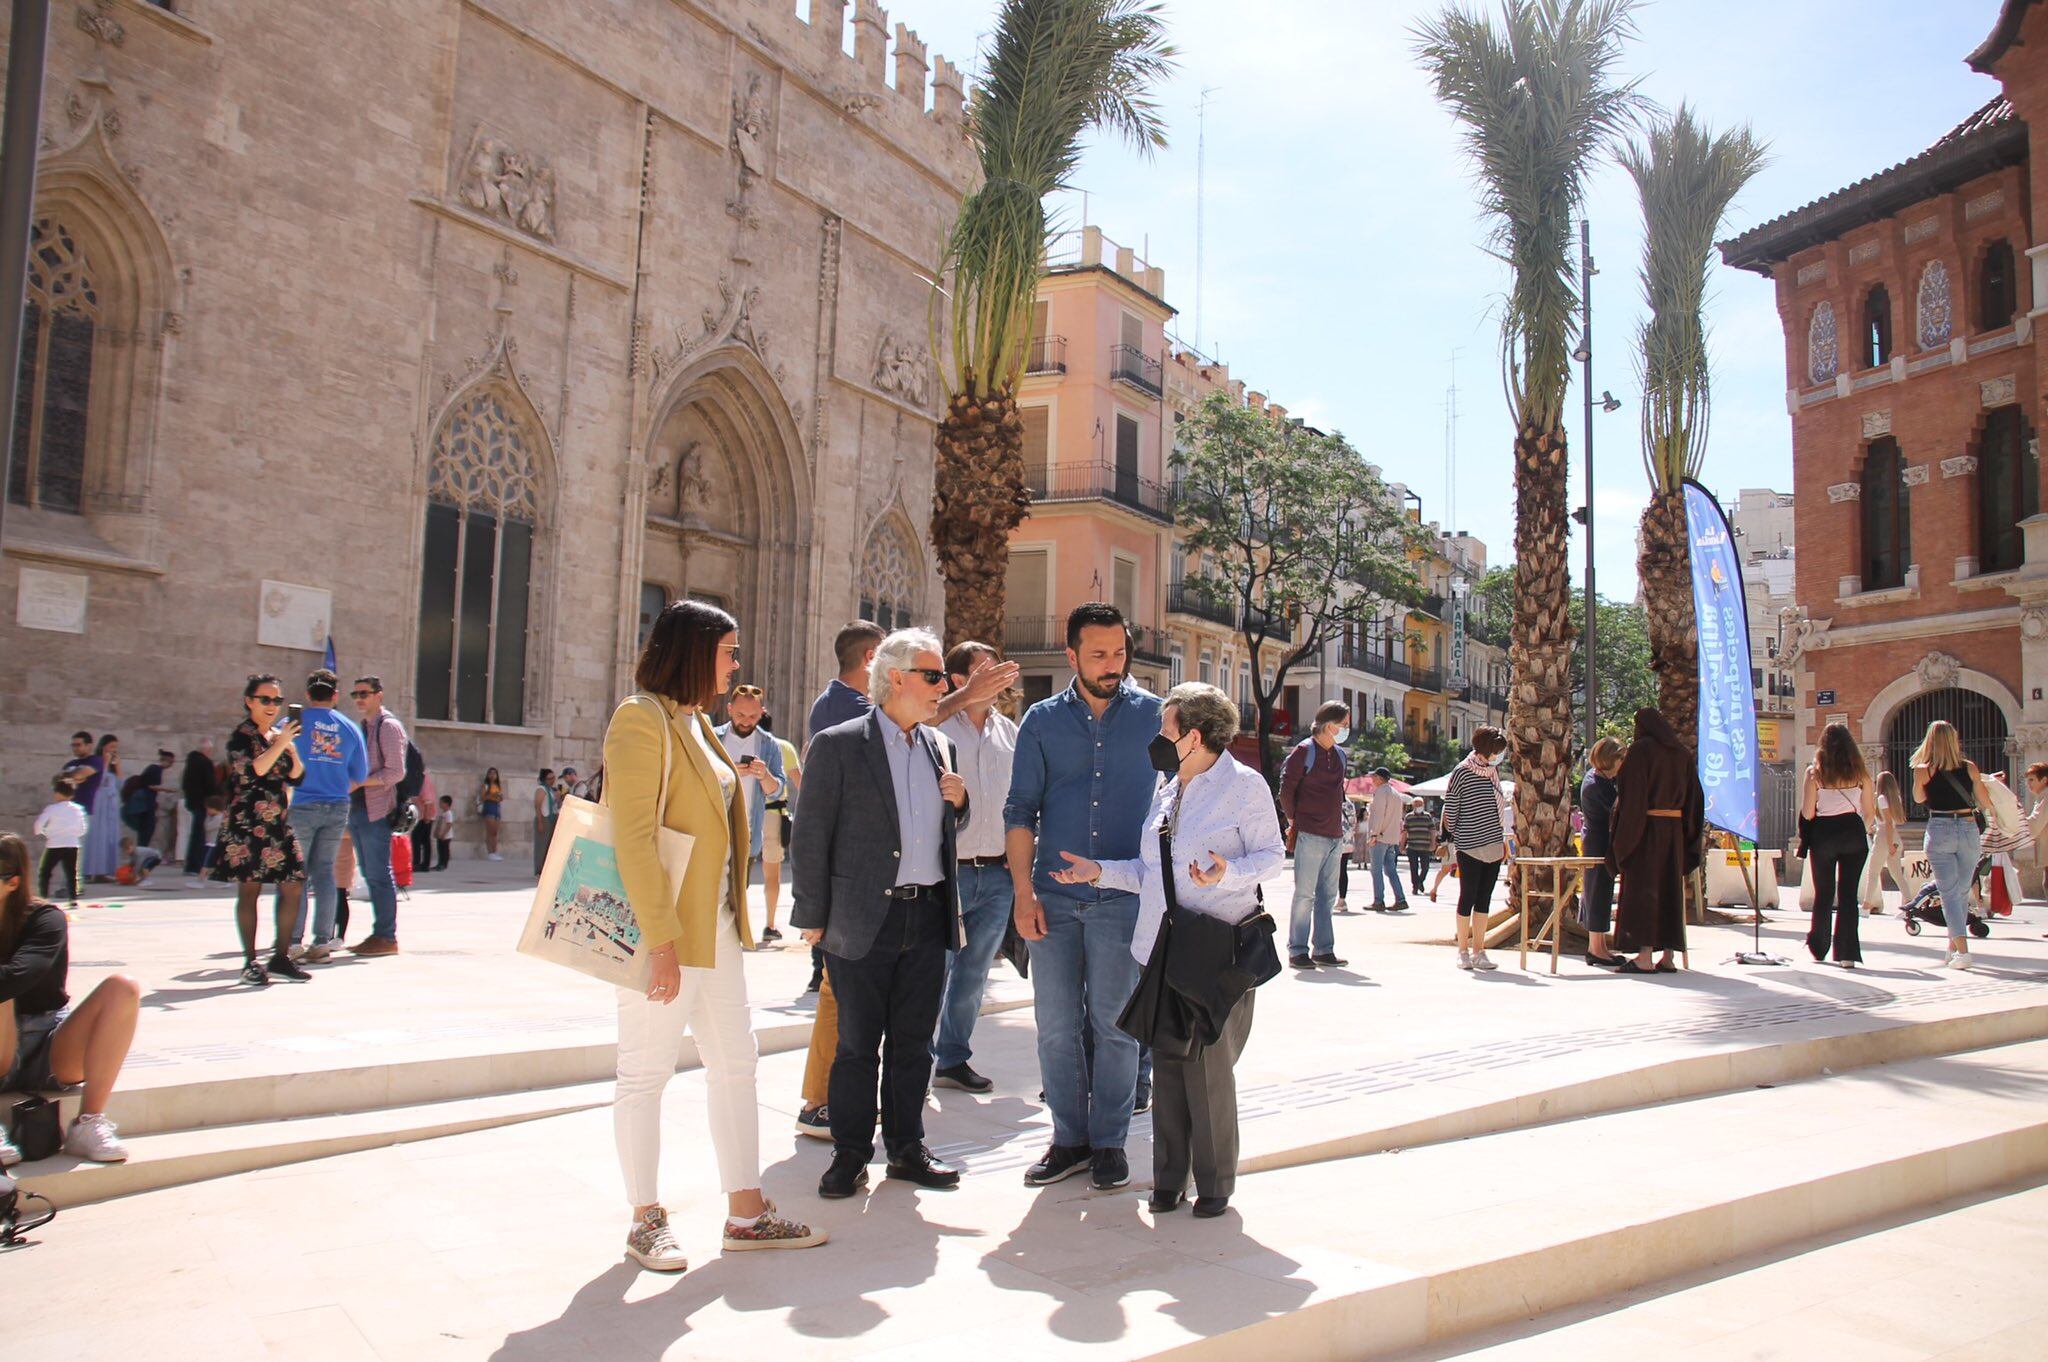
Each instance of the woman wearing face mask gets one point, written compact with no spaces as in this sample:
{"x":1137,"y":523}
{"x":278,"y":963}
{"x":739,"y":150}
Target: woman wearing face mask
{"x":1472,"y":820}
{"x":1223,"y":837}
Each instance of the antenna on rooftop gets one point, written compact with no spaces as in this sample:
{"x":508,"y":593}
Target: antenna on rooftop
{"x":1201,"y":158}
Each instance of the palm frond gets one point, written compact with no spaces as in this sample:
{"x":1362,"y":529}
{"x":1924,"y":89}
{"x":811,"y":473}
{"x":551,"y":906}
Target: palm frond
{"x":1686,"y":176}
{"x":1054,"y":70}
{"x":1540,"y":101}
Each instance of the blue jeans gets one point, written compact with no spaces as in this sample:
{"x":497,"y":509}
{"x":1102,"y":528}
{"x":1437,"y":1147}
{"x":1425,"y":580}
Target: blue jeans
{"x":986,"y":897}
{"x":1315,"y":890}
{"x":319,"y":828}
{"x":373,"y":857}
{"x":1953,"y":848}
{"x":1386,"y":865}
{"x":1082,"y":974}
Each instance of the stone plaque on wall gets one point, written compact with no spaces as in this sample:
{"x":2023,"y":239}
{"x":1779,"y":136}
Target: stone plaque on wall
{"x":51,"y":600}
{"x":291,"y":616}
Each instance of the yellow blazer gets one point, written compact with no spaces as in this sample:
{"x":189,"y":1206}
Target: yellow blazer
{"x":696,"y":805}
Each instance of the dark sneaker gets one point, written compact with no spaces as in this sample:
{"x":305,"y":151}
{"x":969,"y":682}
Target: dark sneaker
{"x":770,"y":934}
{"x":847,"y":1175}
{"x":1060,"y":1163}
{"x":1142,"y":1103}
{"x":288,"y":967}
{"x":817,"y":977}
{"x":917,"y":1165}
{"x":816,"y":1123}
{"x":961,"y":1077}
{"x":1109,"y":1170}
{"x":1301,"y":962}
{"x":1209,"y":1207}
{"x":253,"y":973}
{"x":1329,"y":960}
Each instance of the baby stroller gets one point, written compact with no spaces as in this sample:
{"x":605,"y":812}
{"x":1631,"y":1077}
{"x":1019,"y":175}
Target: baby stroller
{"x":1926,"y":907}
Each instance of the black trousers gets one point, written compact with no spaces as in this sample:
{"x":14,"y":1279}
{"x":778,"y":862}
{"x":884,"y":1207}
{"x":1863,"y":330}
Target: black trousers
{"x":1835,"y":861}
{"x":195,"y":838}
{"x":54,"y":858}
{"x":888,"y":1012}
{"x":442,"y":846}
{"x":423,"y":846}
{"x":1418,"y":867}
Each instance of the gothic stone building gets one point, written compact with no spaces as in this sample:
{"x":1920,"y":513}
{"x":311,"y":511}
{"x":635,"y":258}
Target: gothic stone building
{"x":467,"y":332}
{"x":1912,"y":303}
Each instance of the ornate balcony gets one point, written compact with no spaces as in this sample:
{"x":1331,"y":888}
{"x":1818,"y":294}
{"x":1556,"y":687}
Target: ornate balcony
{"x":1048,"y":355}
{"x":1129,"y":364}
{"x":1100,"y":482}
{"x":1183,"y":599}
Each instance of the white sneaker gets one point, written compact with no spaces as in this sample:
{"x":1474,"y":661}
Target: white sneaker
{"x":9,"y":1155}
{"x":1464,"y":958}
{"x":92,"y":1138}
{"x":1481,"y":963}
{"x":494,"y":856}
{"x":1961,"y":960}
{"x":318,"y":953}
{"x":295,"y":951}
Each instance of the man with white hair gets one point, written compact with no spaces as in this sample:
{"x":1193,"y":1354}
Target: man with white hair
{"x":876,"y":885}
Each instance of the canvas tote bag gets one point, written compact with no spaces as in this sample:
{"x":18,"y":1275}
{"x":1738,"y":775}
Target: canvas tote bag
{"x":580,"y":916}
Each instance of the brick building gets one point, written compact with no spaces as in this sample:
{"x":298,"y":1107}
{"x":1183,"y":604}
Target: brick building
{"x":469,"y":332}
{"x":1910,"y":302}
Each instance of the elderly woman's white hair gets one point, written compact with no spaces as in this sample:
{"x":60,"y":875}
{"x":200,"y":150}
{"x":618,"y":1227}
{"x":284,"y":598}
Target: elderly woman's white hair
{"x":897,"y":652}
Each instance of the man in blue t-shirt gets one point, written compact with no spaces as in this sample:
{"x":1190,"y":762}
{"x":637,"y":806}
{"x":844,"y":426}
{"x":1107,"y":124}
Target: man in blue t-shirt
{"x":337,"y":760}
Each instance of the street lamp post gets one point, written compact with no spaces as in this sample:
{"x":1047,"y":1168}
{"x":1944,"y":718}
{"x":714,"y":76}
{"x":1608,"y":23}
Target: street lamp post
{"x":1584,"y":354}
{"x":27,"y":39}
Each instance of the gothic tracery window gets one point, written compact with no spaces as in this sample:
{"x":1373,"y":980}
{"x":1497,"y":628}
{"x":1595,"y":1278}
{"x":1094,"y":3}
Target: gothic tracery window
{"x":476,"y":577}
{"x":888,"y":577}
{"x":60,"y":321}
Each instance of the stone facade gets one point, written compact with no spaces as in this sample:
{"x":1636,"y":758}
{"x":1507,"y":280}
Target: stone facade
{"x":650,"y":278}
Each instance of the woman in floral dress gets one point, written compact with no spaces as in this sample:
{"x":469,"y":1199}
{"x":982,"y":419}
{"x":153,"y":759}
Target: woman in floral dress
{"x":256,"y":846}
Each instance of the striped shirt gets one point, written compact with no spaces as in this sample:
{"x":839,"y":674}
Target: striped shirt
{"x":1472,"y":810}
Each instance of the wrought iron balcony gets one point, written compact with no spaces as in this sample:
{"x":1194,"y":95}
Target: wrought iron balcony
{"x":1432,"y":604}
{"x":1129,"y":364}
{"x":1183,"y":599}
{"x":1150,"y":645}
{"x":1100,"y":482}
{"x":1428,"y":678}
{"x":1048,"y":355}
{"x":1029,"y":634}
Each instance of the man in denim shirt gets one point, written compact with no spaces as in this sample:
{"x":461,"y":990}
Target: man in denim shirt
{"x":1082,"y":782}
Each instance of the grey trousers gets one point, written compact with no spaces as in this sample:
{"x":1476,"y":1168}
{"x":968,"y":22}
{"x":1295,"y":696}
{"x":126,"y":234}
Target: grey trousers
{"x":1194,"y":1113}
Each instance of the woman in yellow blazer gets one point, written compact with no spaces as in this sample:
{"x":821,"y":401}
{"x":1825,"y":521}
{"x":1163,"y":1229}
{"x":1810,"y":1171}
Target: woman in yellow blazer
{"x":695,"y":933}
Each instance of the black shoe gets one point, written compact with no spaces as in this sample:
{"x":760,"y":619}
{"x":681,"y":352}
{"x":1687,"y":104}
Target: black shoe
{"x":1603,"y":961}
{"x":1060,"y":1163}
{"x":1110,"y":1170}
{"x":1142,"y":1102}
{"x":816,"y":1123}
{"x":770,"y":934}
{"x":1329,"y":960}
{"x":817,"y":977}
{"x":917,"y":1165}
{"x":847,"y":1175}
{"x":1301,"y":962}
{"x":961,"y":1077}
{"x":1209,"y":1207}
{"x":1629,"y":966}
{"x":1160,"y":1203}
{"x":288,"y":967}
{"x":253,"y":973}
{"x":1666,"y":967}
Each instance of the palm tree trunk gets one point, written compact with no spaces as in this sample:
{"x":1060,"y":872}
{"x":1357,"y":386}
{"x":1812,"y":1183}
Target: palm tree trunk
{"x":1540,"y":706}
{"x":978,"y":497}
{"x":1665,"y":566}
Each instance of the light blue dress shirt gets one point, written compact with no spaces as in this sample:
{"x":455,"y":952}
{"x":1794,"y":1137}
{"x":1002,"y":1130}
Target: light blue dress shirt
{"x":916,"y":782}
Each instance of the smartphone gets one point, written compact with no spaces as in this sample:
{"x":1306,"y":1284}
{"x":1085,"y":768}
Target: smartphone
{"x":295,"y":714}
{"x":746,"y":761}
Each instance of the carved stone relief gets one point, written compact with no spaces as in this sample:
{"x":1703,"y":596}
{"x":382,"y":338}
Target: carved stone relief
{"x":904,"y":369}
{"x":750,"y":145}
{"x":502,"y":182}
{"x":1876,"y":423}
{"x":1961,"y":466}
{"x":100,"y":24}
{"x":1996,"y":392}
{"x":1845,"y":491}
{"x":1914,"y":475}
{"x":2034,"y":623}
{"x":1938,"y":671}
{"x":1982,"y":204}
{"x":1822,"y":359}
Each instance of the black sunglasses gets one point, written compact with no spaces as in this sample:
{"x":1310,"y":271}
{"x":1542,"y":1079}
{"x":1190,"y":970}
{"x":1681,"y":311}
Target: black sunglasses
{"x":361,"y":694}
{"x":932,"y":675}
{"x":268,"y":699}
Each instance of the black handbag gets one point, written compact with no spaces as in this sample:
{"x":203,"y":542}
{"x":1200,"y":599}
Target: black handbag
{"x":1156,"y":1016}
{"x":34,"y":1127}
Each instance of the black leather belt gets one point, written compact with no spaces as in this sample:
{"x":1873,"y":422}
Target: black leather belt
{"x":913,"y":891}
{"x":1951,"y":813}
{"x":984,"y":861}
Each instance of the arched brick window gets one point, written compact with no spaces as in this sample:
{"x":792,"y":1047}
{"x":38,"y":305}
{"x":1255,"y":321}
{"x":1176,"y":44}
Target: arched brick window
{"x":60,"y":323}
{"x":1998,"y":288}
{"x":2007,"y":489}
{"x":1887,"y":522}
{"x":1876,"y":336}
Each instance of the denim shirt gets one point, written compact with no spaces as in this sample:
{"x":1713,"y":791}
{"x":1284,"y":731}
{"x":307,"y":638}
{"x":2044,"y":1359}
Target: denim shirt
{"x":1084,"y":784}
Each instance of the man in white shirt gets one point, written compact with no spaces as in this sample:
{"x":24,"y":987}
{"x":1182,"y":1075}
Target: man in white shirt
{"x":986,"y":740}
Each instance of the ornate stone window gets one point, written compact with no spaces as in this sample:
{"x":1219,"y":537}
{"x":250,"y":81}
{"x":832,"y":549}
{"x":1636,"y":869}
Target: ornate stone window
{"x":2008,"y":489}
{"x":1821,"y":361}
{"x":1887,"y":516}
{"x":889,"y":573}
{"x":476,"y":576}
{"x":1933,"y":317}
{"x":1998,"y":296}
{"x":60,"y":325}
{"x":1875,"y":339}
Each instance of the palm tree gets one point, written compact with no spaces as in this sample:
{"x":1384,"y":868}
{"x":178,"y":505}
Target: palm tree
{"x":1538,"y":97}
{"x":1056,"y":69}
{"x":1686,"y":175}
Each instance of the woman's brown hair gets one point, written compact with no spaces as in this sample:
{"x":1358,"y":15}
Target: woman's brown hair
{"x":680,"y":661}
{"x":1488,"y":740}
{"x":14,"y":909}
{"x":1840,"y":759}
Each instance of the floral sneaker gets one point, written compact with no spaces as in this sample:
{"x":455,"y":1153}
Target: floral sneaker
{"x":771,"y":1231}
{"x":653,"y":1245}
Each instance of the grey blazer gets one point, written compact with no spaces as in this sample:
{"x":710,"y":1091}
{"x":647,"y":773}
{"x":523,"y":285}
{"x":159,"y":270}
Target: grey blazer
{"x":844,"y":841}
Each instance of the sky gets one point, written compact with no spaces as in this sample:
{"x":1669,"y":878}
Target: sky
{"x":1343,"y":271}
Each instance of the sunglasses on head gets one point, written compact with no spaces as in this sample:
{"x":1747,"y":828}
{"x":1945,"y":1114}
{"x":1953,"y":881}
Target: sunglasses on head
{"x":933,"y":676}
{"x":755,"y":691}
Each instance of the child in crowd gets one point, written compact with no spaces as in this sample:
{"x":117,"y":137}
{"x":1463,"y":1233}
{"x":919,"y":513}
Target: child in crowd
{"x":61,"y":825}
{"x":136,"y":862}
{"x":444,"y":830}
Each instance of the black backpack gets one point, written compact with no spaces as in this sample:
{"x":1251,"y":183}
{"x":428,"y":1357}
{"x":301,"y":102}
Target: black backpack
{"x":415,"y":778}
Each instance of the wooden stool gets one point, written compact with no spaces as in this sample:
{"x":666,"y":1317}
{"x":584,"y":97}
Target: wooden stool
{"x":1566,"y":879}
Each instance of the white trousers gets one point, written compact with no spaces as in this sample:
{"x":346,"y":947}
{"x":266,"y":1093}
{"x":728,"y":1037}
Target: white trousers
{"x":711,"y":1005}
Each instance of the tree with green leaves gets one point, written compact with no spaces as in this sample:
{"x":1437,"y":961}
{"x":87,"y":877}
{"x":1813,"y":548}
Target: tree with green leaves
{"x":1627,"y":682}
{"x":1539,"y":100}
{"x":1294,"y":529}
{"x":1055,"y":70}
{"x":1686,"y":175}
{"x":1376,"y":742}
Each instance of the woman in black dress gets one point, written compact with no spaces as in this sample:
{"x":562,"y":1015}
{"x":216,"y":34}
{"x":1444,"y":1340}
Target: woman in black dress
{"x":256,"y":846}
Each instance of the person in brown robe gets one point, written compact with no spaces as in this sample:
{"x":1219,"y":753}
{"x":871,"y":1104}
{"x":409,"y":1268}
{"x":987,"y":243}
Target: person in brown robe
{"x":1659,"y":814}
